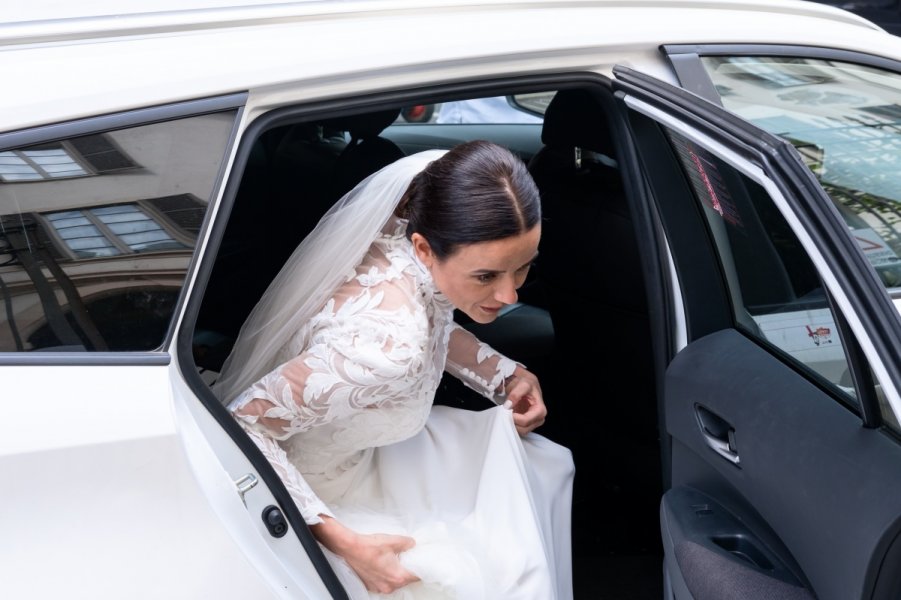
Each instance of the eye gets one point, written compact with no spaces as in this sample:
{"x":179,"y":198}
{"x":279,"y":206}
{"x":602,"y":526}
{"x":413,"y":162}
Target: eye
{"x":486,"y":277}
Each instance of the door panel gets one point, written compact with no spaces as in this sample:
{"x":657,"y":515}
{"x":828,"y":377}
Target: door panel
{"x":819,"y":480}
{"x":98,"y":498}
{"x":220,"y":468}
{"x":778,"y":489}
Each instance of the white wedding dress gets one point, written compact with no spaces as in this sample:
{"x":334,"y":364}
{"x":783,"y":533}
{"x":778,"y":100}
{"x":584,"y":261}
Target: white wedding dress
{"x":348,"y":423}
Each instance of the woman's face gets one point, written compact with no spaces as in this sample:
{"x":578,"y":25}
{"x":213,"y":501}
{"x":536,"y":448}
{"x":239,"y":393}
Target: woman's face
{"x":480,"y":279}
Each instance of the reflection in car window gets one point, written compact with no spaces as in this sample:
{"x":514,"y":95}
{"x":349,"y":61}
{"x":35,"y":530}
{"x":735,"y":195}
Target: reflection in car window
{"x":96,"y":233}
{"x":484,"y":110}
{"x":777,"y":295}
{"x":845,"y":120}
{"x":79,"y":157}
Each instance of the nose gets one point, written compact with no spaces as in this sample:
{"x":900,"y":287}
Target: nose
{"x":505,"y":292}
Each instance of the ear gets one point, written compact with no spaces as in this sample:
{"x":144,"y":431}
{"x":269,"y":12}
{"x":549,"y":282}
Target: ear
{"x":423,"y":250}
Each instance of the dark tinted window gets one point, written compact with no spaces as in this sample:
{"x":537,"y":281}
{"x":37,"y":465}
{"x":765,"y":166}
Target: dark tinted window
{"x":777,"y":295}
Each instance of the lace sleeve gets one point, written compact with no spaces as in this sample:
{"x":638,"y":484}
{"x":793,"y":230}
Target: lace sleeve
{"x":362,"y":364}
{"x":477,"y":364}
{"x":309,"y":504}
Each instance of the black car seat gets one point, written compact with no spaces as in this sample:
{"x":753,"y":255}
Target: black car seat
{"x":302,"y":165}
{"x":284,"y":189}
{"x":366,"y":152}
{"x":593,"y":281}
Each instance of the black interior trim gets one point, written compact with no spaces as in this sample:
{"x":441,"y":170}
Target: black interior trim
{"x":885,"y":577}
{"x":654,"y":259}
{"x":798,"y":449}
{"x":691,"y":74}
{"x":707,"y":305}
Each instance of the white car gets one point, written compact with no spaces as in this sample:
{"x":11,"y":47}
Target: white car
{"x":712,"y":315}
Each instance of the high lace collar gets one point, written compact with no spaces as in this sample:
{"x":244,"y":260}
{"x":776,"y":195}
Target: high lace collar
{"x":424,"y":281}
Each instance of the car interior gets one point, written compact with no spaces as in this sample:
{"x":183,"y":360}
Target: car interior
{"x":581,"y":322}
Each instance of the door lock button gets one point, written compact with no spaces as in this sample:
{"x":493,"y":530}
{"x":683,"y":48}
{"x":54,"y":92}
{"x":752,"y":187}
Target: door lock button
{"x":275,"y":521}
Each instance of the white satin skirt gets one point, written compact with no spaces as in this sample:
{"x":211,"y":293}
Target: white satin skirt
{"x":489,"y":510}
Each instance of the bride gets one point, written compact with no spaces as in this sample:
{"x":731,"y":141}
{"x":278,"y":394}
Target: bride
{"x":334,"y":373}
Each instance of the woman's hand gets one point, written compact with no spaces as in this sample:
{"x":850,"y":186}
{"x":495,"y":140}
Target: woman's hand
{"x":525,"y":399}
{"x":373,"y":557}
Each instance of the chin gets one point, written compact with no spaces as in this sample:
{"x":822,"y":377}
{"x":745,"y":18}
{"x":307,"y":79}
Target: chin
{"x":483,"y":318}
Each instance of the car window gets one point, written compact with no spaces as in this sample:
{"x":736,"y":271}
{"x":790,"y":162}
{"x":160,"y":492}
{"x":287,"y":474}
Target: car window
{"x":777,"y":296}
{"x":96,"y":233}
{"x":500,"y":110}
{"x":845,"y":120}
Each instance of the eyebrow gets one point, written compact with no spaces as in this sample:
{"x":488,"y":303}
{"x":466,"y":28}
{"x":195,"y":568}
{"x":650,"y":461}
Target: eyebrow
{"x":492,"y":271}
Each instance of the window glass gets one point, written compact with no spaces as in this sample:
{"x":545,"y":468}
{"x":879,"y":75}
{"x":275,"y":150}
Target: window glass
{"x":845,"y":120}
{"x":498,"y":110}
{"x":97,"y":231}
{"x":777,"y":295}
{"x":79,"y":157}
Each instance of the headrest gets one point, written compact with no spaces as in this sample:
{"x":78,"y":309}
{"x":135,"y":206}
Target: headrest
{"x":366,"y":125}
{"x":575,"y":118}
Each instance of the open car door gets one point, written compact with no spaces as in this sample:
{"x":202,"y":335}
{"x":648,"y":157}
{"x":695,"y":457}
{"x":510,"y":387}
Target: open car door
{"x":778,"y":359}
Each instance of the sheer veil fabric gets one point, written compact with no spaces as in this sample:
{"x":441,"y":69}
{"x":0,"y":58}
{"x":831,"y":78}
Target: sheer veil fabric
{"x":489,"y":509}
{"x":324,"y":259}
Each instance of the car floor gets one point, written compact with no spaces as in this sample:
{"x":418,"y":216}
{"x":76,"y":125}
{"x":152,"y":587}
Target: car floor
{"x":619,"y":577}
{"x":617,"y":552}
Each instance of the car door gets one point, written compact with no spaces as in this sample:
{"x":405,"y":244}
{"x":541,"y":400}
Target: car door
{"x":778,"y":357}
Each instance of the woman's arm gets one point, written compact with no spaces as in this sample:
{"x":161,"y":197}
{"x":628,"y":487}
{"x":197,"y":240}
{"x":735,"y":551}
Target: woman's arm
{"x":373,"y":557}
{"x":309,"y":391}
{"x":495,"y":376}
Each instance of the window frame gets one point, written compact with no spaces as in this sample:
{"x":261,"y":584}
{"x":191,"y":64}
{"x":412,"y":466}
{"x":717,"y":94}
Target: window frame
{"x":688,"y":67}
{"x":841,"y":264}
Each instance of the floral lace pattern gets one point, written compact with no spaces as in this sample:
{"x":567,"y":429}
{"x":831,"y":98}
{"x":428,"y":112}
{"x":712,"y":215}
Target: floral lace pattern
{"x":366,"y":376}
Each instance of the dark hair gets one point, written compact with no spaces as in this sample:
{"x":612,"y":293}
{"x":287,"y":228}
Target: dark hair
{"x":477,"y":192}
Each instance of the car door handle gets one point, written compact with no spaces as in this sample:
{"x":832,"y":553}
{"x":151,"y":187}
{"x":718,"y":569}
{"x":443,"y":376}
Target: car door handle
{"x":718,"y":433}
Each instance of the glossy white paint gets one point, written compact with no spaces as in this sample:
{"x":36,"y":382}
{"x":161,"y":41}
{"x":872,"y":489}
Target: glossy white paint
{"x":216,"y":463}
{"x":129,"y":61}
{"x":98,"y":499}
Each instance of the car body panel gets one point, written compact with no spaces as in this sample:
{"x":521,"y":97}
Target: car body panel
{"x":221,"y":469}
{"x":166,"y":57}
{"x":105,"y":476}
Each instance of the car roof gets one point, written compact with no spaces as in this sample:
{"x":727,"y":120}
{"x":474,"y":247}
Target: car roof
{"x":105,"y":57}
{"x":36,"y":11}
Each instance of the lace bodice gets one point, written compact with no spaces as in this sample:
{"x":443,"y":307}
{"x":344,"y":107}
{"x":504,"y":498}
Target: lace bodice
{"x":362,"y":373}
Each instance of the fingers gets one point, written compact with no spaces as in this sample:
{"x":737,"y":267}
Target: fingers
{"x":525,"y":400}
{"x":528,"y":421}
{"x":403,"y":577}
{"x":379,"y":566}
{"x":402,"y":543}
{"x":528,"y":414}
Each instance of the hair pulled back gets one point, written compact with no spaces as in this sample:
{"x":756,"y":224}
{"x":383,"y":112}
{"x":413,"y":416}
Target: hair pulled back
{"x":477,"y":192}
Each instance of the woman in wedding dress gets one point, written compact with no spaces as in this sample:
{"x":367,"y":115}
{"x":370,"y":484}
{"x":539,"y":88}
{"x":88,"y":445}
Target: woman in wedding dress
{"x":334,"y":374}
